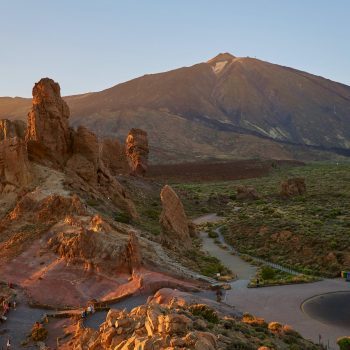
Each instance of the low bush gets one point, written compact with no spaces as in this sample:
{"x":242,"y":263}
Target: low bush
{"x":204,"y":311}
{"x":123,"y":218}
{"x":267,"y":273}
{"x":38,"y":333}
{"x":344,"y":343}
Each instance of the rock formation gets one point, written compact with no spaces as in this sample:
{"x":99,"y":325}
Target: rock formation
{"x":184,"y":324}
{"x":246,"y":192}
{"x":50,"y":209}
{"x":134,"y":252}
{"x":52,"y":142}
{"x":137,"y":151}
{"x":102,"y":249}
{"x":88,"y":172}
{"x":114,"y":157}
{"x":293,"y":187}
{"x":14,"y":165}
{"x":48,"y":133}
{"x":150,"y":326}
{"x":85,"y":159}
{"x":173,"y":219}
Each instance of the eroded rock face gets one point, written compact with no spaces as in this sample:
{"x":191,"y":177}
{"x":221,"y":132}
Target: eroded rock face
{"x":293,"y":187}
{"x":114,"y":157}
{"x":173,"y":219}
{"x":48,"y":133}
{"x":85,"y":159}
{"x":14,"y":165}
{"x":102,"y":249}
{"x":247,"y":192}
{"x":47,"y":210}
{"x":137,"y":151}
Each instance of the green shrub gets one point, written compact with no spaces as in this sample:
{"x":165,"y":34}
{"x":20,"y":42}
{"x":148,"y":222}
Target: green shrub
{"x":212,"y":234}
{"x":267,"y":273}
{"x":344,"y":343}
{"x":204,"y":311}
{"x":92,"y":202}
{"x":122,"y":217}
{"x":152,"y":213}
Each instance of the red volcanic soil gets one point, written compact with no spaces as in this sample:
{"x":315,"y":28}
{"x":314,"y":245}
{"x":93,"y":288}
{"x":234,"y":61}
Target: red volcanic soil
{"x":216,"y":171}
{"x":49,"y":281}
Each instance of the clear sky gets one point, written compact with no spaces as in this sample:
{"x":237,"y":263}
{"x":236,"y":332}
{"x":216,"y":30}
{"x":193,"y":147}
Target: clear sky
{"x":89,"y":45}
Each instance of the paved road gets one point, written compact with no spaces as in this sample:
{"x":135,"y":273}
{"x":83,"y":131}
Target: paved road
{"x":280,"y":303}
{"x":19,"y":322}
{"x":96,"y":319}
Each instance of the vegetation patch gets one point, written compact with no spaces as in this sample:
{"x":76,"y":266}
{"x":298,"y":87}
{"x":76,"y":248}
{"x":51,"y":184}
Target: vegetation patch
{"x":308,"y":233}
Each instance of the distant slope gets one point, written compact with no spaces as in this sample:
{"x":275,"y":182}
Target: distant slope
{"x":227,"y":107}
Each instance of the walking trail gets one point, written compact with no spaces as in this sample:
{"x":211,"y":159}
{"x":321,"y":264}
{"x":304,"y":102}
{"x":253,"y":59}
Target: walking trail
{"x":279,"y":303}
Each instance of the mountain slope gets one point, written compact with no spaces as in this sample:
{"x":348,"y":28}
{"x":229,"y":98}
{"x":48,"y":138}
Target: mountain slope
{"x":217,"y":108}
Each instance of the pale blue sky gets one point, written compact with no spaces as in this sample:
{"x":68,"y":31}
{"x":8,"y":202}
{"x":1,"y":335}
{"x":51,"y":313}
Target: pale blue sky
{"x":89,"y":45}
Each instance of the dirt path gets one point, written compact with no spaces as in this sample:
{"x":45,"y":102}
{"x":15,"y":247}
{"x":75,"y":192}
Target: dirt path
{"x":280,"y":303}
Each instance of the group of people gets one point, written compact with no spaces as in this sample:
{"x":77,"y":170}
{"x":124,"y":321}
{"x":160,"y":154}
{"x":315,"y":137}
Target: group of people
{"x":88,"y":311}
{"x":6,"y":307}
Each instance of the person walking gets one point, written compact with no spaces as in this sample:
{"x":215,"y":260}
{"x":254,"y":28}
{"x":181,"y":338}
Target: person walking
{"x":218,"y":295}
{"x":8,"y":344}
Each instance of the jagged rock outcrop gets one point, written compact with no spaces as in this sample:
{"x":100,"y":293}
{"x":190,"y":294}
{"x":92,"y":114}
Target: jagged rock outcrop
{"x":185,"y":324}
{"x":247,"y":192}
{"x":50,"y":209}
{"x":293,"y":187}
{"x":85,"y":159}
{"x":114,"y":157}
{"x":173,"y":219}
{"x":14,"y":165}
{"x":52,"y":142}
{"x":150,"y":326}
{"x":137,"y":151}
{"x":102,"y":249}
{"x":48,"y":133}
{"x":87,"y":172}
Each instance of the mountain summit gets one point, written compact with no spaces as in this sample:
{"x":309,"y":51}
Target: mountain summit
{"x":227,"y":107}
{"x":221,"y":57}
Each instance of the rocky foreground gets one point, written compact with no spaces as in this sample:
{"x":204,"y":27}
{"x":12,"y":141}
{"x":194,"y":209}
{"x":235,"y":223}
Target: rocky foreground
{"x":175,"y":320}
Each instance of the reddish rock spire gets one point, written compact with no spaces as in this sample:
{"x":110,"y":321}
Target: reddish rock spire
{"x":137,"y":151}
{"x":48,"y":134}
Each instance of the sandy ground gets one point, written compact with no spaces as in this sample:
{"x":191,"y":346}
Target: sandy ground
{"x":280,"y":303}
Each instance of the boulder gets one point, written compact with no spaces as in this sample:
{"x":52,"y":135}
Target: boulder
{"x":14,"y":165}
{"x":293,"y":187}
{"x":246,"y":192}
{"x":173,"y":219}
{"x":174,"y":324}
{"x":48,"y":133}
{"x":137,"y":150}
